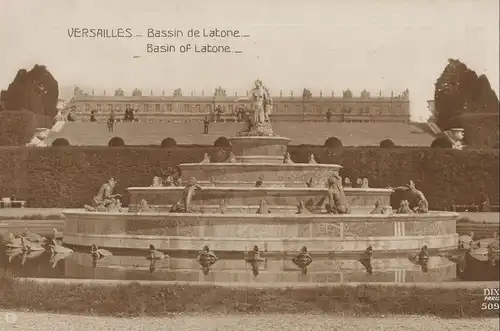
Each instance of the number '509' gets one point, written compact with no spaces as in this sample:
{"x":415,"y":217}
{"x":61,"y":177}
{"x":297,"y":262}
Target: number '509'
{"x":490,"y":306}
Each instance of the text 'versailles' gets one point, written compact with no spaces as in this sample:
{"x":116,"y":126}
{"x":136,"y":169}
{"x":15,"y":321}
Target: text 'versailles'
{"x":100,"y":33}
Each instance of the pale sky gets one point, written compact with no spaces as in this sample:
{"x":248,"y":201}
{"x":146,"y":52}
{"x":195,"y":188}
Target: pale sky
{"x":319,"y":44}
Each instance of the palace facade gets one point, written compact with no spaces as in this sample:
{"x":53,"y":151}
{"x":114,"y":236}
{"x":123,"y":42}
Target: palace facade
{"x":345,"y":108}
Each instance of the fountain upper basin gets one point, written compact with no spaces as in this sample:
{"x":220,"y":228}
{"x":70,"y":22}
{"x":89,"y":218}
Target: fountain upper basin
{"x":247,"y":199}
{"x":246,"y":174}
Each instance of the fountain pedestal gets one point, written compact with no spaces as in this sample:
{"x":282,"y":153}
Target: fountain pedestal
{"x":259,"y":149}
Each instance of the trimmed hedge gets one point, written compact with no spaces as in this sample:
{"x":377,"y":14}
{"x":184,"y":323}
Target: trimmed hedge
{"x":18,"y":127}
{"x":387,"y":143}
{"x":68,"y":177}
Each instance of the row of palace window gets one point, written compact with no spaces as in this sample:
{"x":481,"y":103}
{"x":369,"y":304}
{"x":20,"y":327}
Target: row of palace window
{"x":228,"y":109}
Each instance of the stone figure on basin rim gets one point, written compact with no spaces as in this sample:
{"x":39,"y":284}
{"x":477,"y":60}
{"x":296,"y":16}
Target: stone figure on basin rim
{"x":105,"y":198}
{"x":206,"y":158}
{"x":287,"y":158}
{"x":337,"y":200}
{"x":422,"y":206}
{"x":416,"y":199}
{"x":231,"y":158}
{"x":186,"y":205}
{"x":301,"y":208}
{"x":312,"y":159}
{"x":263,"y":208}
{"x":157,"y":182}
{"x":404,"y":208}
{"x":144,"y":207}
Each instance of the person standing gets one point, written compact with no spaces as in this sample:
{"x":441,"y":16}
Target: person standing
{"x":111,"y":121}
{"x":205,"y":125}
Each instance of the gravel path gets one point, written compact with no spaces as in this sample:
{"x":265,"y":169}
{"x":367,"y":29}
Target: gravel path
{"x":42,"y":322}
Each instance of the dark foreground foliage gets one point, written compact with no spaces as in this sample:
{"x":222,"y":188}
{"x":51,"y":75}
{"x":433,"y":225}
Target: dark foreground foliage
{"x":137,"y":300}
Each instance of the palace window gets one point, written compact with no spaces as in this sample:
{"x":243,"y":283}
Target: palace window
{"x":110,"y":106}
{"x":157,"y":108}
{"x":127,"y":106}
{"x":198,"y":107}
{"x":208,"y":108}
{"x":318,"y":110}
{"x":231,"y":108}
{"x":87,"y":107}
{"x":186,"y":108}
{"x":99,"y":107}
{"x":286,"y":109}
{"x":169,"y":107}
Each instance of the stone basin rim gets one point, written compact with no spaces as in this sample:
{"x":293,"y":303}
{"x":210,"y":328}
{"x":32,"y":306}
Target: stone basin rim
{"x":290,"y":166}
{"x":250,"y":189}
{"x":319,"y":217}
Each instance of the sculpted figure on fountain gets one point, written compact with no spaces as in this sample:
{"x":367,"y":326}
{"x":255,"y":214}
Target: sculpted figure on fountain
{"x":105,"y":200}
{"x":186,"y":205}
{"x":337,"y":201}
{"x":258,"y":123}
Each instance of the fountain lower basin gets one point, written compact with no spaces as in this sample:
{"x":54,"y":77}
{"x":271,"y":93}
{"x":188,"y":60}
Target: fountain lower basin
{"x":324,"y":234}
{"x":270,"y":271}
{"x":247,"y":199}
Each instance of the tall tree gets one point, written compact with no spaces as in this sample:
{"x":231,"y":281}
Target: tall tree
{"x":460,"y":91}
{"x":35,"y":90}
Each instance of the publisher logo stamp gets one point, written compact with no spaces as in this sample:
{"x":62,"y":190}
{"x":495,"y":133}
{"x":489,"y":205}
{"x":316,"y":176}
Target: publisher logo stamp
{"x":491,"y":299}
{"x":10,"y":318}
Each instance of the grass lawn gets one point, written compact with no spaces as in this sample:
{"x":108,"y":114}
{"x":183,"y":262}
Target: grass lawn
{"x":160,"y":300}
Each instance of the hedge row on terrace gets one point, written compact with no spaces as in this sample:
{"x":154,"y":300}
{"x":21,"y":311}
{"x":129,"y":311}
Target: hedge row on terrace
{"x":68,"y":177}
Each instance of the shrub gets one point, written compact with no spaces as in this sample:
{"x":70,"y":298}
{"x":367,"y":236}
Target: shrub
{"x":480,"y":130}
{"x":17,"y":127}
{"x":222,"y":142}
{"x":441,"y":142}
{"x":60,"y":142}
{"x":168,"y":143}
{"x":116,"y":142}
{"x":333,"y":142}
{"x":387,"y":143}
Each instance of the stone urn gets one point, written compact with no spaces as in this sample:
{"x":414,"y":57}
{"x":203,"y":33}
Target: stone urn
{"x":40,"y":135}
{"x":457,"y":135}
{"x":59,"y":117}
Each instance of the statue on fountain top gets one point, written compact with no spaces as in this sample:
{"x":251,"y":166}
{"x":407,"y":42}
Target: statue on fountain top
{"x":258,"y":123}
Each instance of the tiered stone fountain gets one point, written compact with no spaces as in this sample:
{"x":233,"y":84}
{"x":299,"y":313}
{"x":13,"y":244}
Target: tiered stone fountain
{"x":252,"y":200}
